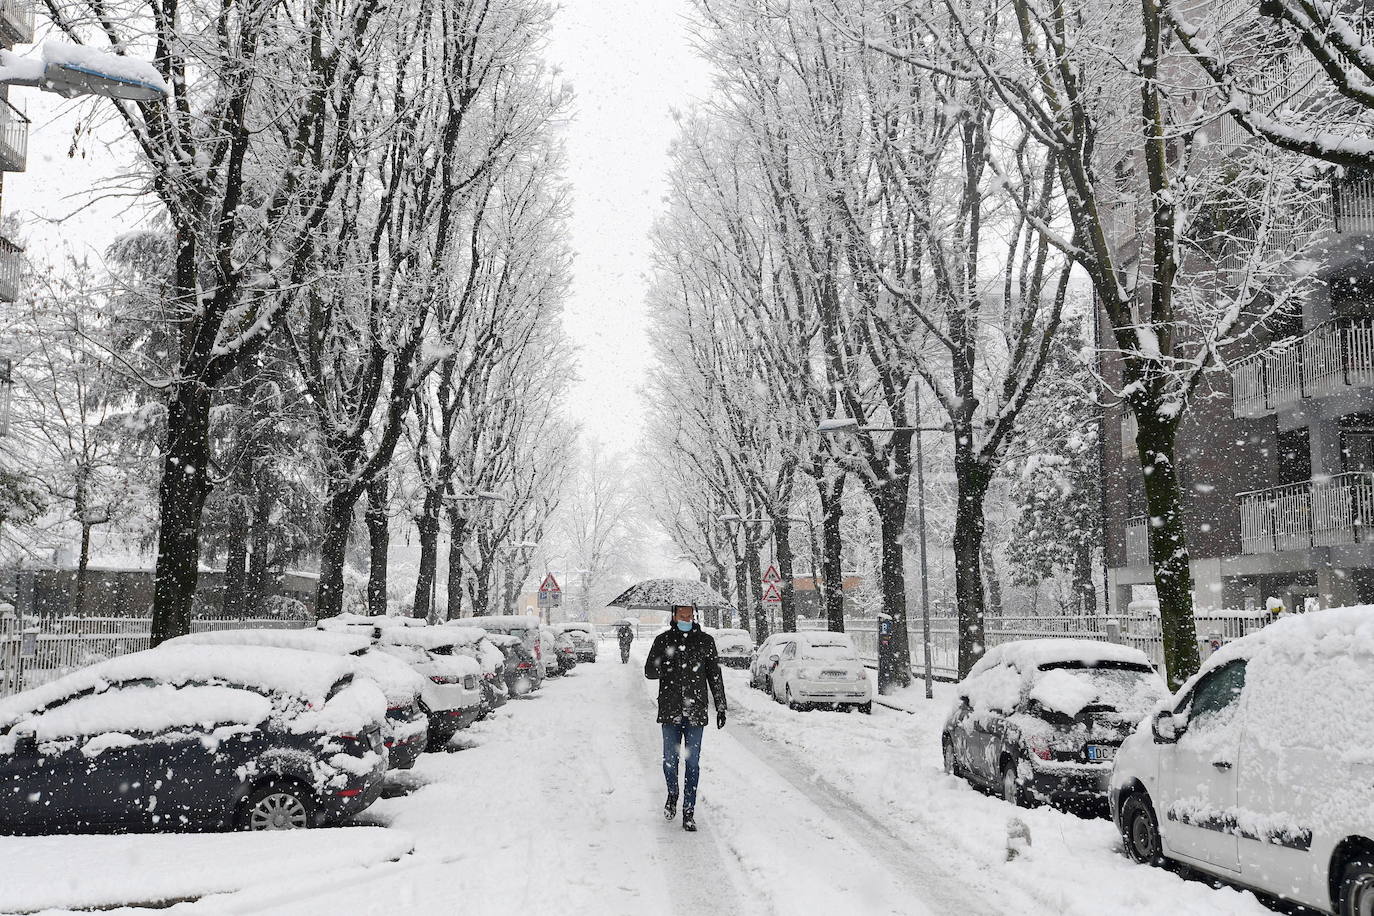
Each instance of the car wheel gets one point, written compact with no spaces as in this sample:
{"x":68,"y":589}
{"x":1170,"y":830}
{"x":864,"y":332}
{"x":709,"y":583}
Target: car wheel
{"x":277,"y":804}
{"x":1140,"y":830}
{"x":1357,"y":887}
{"x":866,"y":708}
{"x":791,"y":703}
{"x":1012,"y":793}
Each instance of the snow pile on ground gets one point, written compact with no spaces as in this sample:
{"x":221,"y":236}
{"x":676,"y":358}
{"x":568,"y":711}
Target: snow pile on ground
{"x":74,"y":872}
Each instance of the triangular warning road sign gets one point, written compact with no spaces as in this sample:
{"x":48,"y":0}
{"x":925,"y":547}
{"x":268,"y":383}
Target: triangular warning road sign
{"x":550,"y":584}
{"x":771,"y":595}
{"x":772,"y":574}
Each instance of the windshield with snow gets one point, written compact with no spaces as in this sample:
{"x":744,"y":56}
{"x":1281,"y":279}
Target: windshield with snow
{"x":1071,"y":687}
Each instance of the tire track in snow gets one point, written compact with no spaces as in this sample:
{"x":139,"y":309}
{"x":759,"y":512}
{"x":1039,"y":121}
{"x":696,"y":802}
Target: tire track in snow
{"x":920,"y":870}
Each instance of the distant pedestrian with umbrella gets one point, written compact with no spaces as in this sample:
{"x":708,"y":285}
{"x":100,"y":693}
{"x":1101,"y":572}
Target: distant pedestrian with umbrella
{"x":684,"y":662}
{"x":626,"y":635}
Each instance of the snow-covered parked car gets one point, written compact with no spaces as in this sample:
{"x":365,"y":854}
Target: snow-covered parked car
{"x":452,"y":696}
{"x":733,"y":647}
{"x":820,"y":668}
{"x":193,"y":737}
{"x":519,"y":667}
{"x":1040,"y":720}
{"x":584,"y":637}
{"x":765,"y":658}
{"x":478,"y":646}
{"x":1260,"y":770}
{"x":406,"y":731}
{"x":565,"y":651}
{"x":527,"y":629}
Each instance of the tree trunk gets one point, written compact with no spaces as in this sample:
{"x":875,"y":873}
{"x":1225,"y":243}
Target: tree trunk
{"x":236,"y":571}
{"x":971,"y":484}
{"x":428,"y":525}
{"x":1083,"y":584}
{"x":892,"y":525}
{"x":782,"y":541}
{"x":832,"y":569}
{"x":755,"y":576}
{"x":338,"y":521}
{"x":83,"y":561}
{"x":993,"y":582}
{"x":1168,"y":547}
{"x":742,"y":597}
{"x":508,"y":589}
{"x":457,"y":539}
{"x":259,"y":539}
{"x":181,"y":503}
{"x":379,"y":544}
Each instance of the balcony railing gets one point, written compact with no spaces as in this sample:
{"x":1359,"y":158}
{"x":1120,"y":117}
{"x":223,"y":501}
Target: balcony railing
{"x":1352,"y":204}
{"x":1138,"y":541}
{"x":16,"y":20}
{"x":1322,"y":512}
{"x":1333,"y":357}
{"x":11,"y":270}
{"x":14,"y":138}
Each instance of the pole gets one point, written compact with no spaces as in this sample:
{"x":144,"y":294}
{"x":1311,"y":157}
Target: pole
{"x":921,"y":540}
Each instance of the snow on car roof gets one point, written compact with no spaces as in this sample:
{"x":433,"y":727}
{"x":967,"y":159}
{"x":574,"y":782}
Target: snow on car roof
{"x":339,"y":642}
{"x":1029,"y":654}
{"x":427,"y":637}
{"x":467,"y":633}
{"x":308,"y":675}
{"x":504,"y":640}
{"x":729,"y":632}
{"x":504,"y":622}
{"x":574,"y":625}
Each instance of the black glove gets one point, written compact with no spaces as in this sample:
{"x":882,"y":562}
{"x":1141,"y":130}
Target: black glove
{"x":720,"y":719}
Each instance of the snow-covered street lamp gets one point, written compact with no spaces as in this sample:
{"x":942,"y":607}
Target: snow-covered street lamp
{"x":76,"y":70}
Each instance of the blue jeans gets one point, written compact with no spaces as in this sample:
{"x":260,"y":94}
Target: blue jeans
{"x":673,"y":736}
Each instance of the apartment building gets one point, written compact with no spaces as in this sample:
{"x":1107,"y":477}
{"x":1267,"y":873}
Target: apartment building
{"x":1277,"y":452}
{"x":16,"y":27}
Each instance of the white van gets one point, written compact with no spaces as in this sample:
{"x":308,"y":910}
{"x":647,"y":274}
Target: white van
{"x":1260,"y":770}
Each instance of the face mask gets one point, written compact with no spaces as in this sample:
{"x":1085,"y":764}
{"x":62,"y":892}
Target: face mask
{"x":684,"y":625}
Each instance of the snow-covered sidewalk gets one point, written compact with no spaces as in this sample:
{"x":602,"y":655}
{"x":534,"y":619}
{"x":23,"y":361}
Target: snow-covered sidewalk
{"x":554,"y":805}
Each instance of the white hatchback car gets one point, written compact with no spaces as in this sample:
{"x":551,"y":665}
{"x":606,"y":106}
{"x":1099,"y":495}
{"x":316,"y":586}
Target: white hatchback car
{"x":1260,"y":770}
{"x":820,"y":668}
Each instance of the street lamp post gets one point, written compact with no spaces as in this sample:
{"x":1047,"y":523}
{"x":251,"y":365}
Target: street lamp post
{"x":850,"y":426}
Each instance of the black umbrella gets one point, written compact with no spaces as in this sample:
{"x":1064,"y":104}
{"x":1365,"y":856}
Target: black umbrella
{"x":665,"y":594}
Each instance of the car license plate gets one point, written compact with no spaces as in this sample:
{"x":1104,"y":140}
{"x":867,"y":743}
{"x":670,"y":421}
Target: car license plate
{"x":834,"y":675}
{"x":1101,"y":752}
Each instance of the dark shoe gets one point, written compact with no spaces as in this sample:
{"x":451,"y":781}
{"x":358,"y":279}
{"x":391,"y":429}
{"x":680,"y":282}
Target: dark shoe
{"x":670,"y":808}
{"x":689,"y":820}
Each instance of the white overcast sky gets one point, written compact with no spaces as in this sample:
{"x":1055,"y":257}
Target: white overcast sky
{"x":630,"y":65}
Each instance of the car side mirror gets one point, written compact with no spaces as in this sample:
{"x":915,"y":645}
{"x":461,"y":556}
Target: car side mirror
{"x":1166,"y":728}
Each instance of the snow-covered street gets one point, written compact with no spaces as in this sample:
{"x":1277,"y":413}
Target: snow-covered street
{"x":553,"y":805}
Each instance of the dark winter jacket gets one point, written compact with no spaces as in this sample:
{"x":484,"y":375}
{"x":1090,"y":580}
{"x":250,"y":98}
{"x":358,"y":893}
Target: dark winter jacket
{"x":684,"y":664}
{"x":626,"y":637}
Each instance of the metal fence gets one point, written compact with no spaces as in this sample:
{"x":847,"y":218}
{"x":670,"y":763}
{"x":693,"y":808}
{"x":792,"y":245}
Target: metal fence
{"x":59,"y":645}
{"x":1140,"y":631}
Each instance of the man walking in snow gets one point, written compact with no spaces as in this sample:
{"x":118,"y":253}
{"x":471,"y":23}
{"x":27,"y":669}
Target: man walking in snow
{"x":684,"y":662}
